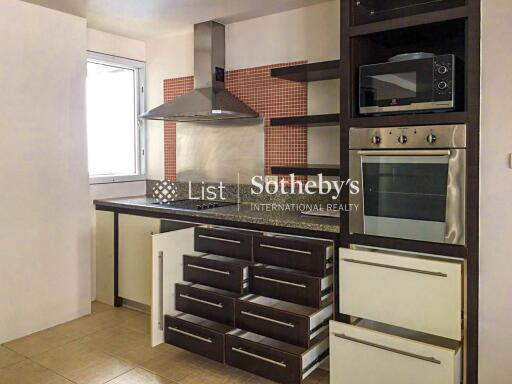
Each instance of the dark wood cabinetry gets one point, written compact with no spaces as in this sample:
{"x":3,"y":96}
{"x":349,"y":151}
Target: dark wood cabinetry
{"x":213,"y":300}
{"x":371,"y":32}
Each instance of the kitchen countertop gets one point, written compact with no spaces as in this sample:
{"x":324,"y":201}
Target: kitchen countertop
{"x":233,"y":213}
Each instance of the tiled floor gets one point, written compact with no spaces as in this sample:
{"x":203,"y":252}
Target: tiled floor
{"x":112,"y":345}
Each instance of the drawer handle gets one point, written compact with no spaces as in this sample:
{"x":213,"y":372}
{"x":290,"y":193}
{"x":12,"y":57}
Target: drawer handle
{"x":218,"y":305}
{"x":279,"y":281}
{"x":439,"y":274}
{"x":219,"y":239}
{"x":240,"y":350}
{"x":206,"y":340}
{"x":393,"y":350}
{"x":208,"y":269}
{"x":285,"y":249}
{"x":268,"y":319}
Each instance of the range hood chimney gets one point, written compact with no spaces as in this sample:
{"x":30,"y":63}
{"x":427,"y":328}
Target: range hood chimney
{"x":209,"y":100}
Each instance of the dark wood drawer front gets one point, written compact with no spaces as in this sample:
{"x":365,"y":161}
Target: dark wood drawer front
{"x":194,"y":338}
{"x":272,"y":323}
{"x":286,"y":286}
{"x":223,"y":242}
{"x":263,"y":361}
{"x":203,"y":303}
{"x":222,"y":275}
{"x":312,"y":256}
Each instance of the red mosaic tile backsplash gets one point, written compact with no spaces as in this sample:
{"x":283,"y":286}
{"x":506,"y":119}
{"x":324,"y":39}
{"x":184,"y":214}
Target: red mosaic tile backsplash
{"x":270,"y":97}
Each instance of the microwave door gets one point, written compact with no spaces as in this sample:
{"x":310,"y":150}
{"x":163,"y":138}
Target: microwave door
{"x":398,"y":86}
{"x":405,"y":196}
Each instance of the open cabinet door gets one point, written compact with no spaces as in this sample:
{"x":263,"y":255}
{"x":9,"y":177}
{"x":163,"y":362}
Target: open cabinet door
{"x":167,"y":258}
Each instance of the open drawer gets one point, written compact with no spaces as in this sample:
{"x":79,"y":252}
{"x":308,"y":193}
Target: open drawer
{"x":420,"y":293}
{"x":275,"y":360}
{"x":374,"y":353}
{"x":280,"y":320}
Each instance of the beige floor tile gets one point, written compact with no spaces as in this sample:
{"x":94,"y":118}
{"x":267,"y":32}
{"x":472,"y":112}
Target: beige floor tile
{"x":83,"y":364}
{"x":175,"y":364}
{"x":137,"y":321}
{"x":140,"y":376}
{"x":129,"y":345}
{"x":38,"y":342}
{"x":28,"y":372}
{"x":97,"y":307}
{"x":320,"y":376}
{"x":8,"y":357}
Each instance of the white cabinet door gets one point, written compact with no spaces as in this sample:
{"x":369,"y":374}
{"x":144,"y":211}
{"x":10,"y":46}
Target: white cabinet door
{"x":105,"y":257}
{"x":423,"y":294}
{"x":135,"y":257}
{"x":360,"y":355}
{"x":168,"y":251}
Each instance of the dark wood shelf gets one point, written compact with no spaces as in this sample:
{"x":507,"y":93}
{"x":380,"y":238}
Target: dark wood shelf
{"x":312,"y":120}
{"x":307,"y":170}
{"x":325,"y":70}
{"x":409,"y":120}
{"x":410,"y":21}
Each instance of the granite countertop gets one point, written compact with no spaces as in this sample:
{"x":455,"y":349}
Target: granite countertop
{"x":242,"y":213}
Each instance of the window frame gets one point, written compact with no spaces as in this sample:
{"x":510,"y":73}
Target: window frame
{"x":139,"y":67}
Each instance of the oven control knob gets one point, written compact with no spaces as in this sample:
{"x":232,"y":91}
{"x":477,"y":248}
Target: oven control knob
{"x":442,"y":70}
{"x":431,"y":138}
{"x":442,"y":85}
{"x":402,"y":139}
{"x":376,"y":140}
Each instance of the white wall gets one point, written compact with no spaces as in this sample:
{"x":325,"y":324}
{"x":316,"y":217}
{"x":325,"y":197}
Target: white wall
{"x":45,"y":232}
{"x":102,"y":42}
{"x":310,"y":33}
{"x":496,"y":192}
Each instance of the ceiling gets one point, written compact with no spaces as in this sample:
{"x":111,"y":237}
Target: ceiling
{"x":143,"y":19}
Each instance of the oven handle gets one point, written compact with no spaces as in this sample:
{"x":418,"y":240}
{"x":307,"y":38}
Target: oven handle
{"x":402,"y":152}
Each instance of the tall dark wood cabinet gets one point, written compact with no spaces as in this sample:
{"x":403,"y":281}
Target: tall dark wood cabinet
{"x":446,"y":27}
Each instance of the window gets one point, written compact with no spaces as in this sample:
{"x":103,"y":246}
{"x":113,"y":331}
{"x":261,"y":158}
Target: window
{"x":115,"y":134}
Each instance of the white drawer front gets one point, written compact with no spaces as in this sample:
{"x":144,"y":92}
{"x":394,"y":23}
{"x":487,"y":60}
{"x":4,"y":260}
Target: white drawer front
{"x":362,"y":356}
{"x":416,"y":293}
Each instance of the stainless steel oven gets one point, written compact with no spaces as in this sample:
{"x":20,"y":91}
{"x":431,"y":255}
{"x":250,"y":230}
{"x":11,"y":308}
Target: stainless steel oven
{"x":412,"y":182}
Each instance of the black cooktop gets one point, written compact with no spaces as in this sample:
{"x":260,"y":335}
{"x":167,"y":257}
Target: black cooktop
{"x":195,"y":205}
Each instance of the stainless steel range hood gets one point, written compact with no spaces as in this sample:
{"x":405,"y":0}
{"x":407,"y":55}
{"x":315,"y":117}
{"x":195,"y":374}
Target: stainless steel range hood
{"x":209,"y":100}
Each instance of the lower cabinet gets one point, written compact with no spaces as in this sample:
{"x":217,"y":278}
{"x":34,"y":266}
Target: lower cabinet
{"x":278,"y":361}
{"x":373,"y":353}
{"x":135,"y":257}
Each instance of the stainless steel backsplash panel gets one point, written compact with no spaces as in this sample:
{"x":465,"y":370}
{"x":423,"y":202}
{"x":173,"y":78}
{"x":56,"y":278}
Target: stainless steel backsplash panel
{"x":211,"y":152}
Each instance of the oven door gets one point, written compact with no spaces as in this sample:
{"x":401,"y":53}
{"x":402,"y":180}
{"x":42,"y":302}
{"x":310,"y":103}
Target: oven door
{"x":410,"y":194}
{"x":396,"y":87}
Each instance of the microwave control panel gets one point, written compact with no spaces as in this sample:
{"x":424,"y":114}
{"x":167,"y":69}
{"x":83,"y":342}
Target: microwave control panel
{"x":444,"y":78}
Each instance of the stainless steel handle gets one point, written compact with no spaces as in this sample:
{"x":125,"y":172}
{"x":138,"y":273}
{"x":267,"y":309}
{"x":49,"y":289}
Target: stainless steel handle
{"x":439,"y":274}
{"x":218,"y":305}
{"x":279,"y":281}
{"x":219,"y":239}
{"x":285,"y":249}
{"x":209,"y":269}
{"x":206,"y":340}
{"x":389,"y":349}
{"x":161,"y":290}
{"x":406,"y":152}
{"x":291,"y":325}
{"x":278,"y":363}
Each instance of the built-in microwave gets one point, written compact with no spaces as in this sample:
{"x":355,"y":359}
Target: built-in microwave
{"x":405,"y":86}
{"x":412,"y":183}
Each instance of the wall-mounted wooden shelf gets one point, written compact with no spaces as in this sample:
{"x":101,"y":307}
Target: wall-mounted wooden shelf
{"x":312,"y":120}
{"x":410,"y":21}
{"x":307,"y":170}
{"x":324,"y":70}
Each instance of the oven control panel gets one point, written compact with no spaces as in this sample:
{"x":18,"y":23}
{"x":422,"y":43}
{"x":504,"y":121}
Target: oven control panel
{"x":434,"y":136}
